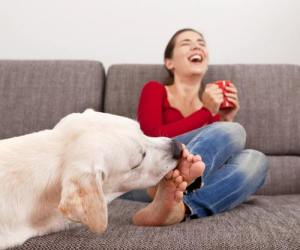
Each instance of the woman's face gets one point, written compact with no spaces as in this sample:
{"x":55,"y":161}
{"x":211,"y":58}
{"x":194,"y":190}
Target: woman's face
{"x":190,"y":55}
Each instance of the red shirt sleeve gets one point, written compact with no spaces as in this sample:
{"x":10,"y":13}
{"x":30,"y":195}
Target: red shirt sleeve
{"x":150,"y":114}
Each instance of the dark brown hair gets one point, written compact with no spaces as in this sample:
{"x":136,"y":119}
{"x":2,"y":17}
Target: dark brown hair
{"x":171,"y":44}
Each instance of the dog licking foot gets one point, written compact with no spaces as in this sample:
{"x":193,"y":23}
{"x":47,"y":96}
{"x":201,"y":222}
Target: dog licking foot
{"x":190,"y":167}
{"x":167,"y":207}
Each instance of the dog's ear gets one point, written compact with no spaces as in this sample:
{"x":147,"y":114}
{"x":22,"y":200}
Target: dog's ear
{"x":82,"y":200}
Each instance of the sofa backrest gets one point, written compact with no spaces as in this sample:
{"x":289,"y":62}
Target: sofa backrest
{"x":35,"y":95}
{"x":269,"y":99}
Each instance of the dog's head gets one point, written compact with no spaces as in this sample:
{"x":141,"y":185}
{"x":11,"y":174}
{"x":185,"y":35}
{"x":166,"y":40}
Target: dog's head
{"x":131,"y":159}
{"x":116,"y":157}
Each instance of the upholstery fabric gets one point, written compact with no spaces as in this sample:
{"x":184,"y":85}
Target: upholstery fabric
{"x":263,"y":222}
{"x":35,"y":95}
{"x":283,"y":176}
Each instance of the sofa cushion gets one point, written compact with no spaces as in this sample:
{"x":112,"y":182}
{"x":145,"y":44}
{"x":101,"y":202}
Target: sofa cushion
{"x":35,"y":95}
{"x":283,"y":175}
{"x":263,"y":222}
{"x":124,"y":83}
{"x":269,"y":99}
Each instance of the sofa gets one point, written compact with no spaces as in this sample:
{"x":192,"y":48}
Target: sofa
{"x":35,"y":95}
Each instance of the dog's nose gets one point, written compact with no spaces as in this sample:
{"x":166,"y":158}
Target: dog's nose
{"x":176,"y":149}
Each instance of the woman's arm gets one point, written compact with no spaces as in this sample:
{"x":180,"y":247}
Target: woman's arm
{"x":150,"y":114}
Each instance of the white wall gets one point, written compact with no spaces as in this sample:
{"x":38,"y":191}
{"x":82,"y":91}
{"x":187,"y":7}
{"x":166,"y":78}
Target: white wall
{"x":136,"y":31}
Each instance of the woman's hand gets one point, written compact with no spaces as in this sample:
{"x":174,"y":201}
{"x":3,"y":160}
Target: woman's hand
{"x":212,"y":98}
{"x":231,"y":95}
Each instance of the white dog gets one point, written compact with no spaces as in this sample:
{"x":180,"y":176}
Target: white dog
{"x":53,"y":179}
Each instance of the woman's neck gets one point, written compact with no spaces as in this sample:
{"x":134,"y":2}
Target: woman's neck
{"x":186,"y":89}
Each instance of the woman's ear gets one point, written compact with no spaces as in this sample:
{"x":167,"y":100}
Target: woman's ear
{"x":169,"y":64}
{"x":82,"y":200}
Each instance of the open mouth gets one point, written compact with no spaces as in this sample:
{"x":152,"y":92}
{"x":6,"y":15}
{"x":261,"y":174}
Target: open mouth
{"x":195,"y":58}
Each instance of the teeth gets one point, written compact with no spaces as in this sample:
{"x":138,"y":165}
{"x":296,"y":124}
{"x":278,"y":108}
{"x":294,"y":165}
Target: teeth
{"x":197,"y":58}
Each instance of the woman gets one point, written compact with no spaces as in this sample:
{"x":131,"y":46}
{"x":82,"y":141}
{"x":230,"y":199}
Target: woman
{"x":191,"y":114}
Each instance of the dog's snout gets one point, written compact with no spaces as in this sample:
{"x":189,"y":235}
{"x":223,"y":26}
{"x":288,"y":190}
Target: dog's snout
{"x":176,"y":149}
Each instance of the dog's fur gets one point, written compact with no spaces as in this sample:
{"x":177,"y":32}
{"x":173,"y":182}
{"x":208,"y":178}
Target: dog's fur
{"x":54,"y":179}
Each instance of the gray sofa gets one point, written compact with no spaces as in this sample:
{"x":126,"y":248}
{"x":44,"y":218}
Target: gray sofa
{"x":34,"y":95}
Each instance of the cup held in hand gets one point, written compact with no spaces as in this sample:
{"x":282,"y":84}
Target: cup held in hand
{"x":226,"y":103}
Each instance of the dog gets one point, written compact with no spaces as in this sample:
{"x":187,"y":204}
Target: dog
{"x":56,"y":179}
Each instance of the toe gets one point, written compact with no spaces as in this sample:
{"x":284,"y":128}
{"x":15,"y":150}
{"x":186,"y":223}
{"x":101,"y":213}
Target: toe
{"x":190,"y":158}
{"x":197,"y":158}
{"x":178,"y":179}
{"x":182,"y":186}
{"x":185,"y":153}
{"x":169,"y":175}
{"x":178,"y":196}
{"x":176,"y":173}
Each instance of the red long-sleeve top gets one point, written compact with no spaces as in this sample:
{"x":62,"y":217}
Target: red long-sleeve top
{"x":158,"y":118}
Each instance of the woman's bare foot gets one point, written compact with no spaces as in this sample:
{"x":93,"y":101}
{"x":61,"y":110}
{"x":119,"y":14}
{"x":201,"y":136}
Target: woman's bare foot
{"x":190,"y":167}
{"x":167,"y":207}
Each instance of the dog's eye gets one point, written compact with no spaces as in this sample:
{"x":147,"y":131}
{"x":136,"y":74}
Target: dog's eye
{"x":143,"y":156}
{"x":135,"y":166}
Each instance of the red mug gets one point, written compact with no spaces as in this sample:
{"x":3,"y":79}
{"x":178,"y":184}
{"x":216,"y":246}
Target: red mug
{"x":222,"y":84}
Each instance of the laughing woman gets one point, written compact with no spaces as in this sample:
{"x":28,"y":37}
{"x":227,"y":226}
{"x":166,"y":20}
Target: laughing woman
{"x":190,"y":112}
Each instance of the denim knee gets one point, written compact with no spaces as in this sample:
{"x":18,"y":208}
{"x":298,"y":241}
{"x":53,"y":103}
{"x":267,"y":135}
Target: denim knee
{"x":257,"y":165}
{"x":234,"y":133}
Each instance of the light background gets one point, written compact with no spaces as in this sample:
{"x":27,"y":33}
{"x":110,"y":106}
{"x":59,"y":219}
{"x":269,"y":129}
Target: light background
{"x":136,"y":31}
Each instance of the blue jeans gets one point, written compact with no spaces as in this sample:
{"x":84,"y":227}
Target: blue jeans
{"x":231,"y":173}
